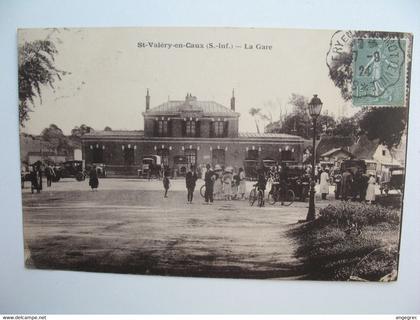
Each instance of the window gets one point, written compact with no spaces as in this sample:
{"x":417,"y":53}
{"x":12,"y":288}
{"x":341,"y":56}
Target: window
{"x":190,"y":129}
{"x":218,"y":129}
{"x":218,"y":157}
{"x":191,"y":155}
{"x":98,"y":155}
{"x":128,"y":156}
{"x":162,"y":128}
{"x":286,"y":155}
{"x":164,"y":154}
{"x":252,"y":155}
{"x":384,"y":152}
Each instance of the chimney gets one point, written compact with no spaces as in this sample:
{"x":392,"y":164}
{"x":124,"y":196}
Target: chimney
{"x":147,"y":100}
{"x":232,"y":101}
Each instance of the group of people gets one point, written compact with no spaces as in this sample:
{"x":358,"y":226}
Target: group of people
{"x":224,"y":183}
{"x":220,"y":183}
{"x":39,"y":169}
{"x":356,"y":186}
{"x":36,"y":172}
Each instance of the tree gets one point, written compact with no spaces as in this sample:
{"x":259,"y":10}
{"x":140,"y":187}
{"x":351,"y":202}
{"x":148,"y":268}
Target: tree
{"x":36,"y":69}
{"x":55,"y":136}
{"x":80,"y":131}
{"x":347,"y":127}
{"x":299,"y":102}
{"x":385,"y":124}
{"x":107,"y":128}
{"x":299,"y":122}
{"x":254,"y":112}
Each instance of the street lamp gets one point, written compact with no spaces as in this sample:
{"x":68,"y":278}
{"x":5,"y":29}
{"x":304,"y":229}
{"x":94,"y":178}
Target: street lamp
{"x":314,"y":109}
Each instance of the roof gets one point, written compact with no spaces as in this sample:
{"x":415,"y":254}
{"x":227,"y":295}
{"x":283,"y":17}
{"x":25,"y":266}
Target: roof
{"x":267,"y":135}
{"x":331,"y":142}
{"x":334,"y":150}
{"x":114,"y":133}
{"x":191,"y":105}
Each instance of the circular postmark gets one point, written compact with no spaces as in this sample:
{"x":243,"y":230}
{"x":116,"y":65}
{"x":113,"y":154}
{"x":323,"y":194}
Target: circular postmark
{"x":378,"y":65}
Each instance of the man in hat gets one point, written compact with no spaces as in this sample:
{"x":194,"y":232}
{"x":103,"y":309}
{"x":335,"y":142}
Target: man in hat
{"x":209,"y":182}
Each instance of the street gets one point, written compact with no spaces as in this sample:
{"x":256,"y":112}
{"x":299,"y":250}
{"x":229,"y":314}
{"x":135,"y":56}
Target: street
{"x":128,"y":227}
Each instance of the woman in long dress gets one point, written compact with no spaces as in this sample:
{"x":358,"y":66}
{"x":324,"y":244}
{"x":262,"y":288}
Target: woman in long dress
{"x":93,"y":178}
{"x":370,"y":192}
{"x":218,"y":185}
{"x":324,"y":184}
{"x":227,"y":185}
{"x":242,"y":183}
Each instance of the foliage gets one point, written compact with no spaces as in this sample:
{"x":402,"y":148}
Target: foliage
{"x":350,"y":239}
{"x":107,"y":128}
{"x":299,"y":123}
{"x":345,"y":214}
{"x":385,"y":124}
{"x":36,"y":69}
{"x":347,"y":127}
{"x":55,"y":136}
{"x":80,"y":131}
{"x":254,"y":112}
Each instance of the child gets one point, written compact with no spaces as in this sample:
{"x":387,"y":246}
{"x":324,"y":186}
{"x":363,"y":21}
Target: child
{"x":166,"y":184}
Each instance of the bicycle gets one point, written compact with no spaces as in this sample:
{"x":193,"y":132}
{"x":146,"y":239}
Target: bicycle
{"x":256,"y":195}
{"x":203,"y":191}
{"x":277,"y":195}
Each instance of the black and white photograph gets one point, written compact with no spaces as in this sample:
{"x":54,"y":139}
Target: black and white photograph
{"x":214,"y":152}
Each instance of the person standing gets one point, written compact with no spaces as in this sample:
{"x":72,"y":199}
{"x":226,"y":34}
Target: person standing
{"x":93,"y":178}
{"x":261,"y":184}
{"x":36,"y":178}
{"x":370,"y":192}
{"x":190,"y":180}
{"x":166,"y":183}
{"x":242,"y":183}
{"x":209,"y":182}
{"x":324,"y":184}
{"x":227,"y":184}
{"x":346,"y":182}
{"x":235,"y":185}
{"x":50,"y":174}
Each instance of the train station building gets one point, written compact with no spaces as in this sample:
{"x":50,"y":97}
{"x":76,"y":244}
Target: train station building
{"x":184,"y":132}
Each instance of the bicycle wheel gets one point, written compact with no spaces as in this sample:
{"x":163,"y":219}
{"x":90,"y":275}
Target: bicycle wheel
{"x":290,"y":197}
{"x":272,"y":198}
{"x":260,"y":199}
{"x":252,"y":197}
{"x":203,"y":191}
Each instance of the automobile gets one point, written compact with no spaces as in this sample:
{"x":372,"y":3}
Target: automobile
{"x":395,"y":182}
{"x":298,"y":180}
{"x":150,"y":166}
{"x":71,"y":169}
{"x":268,"y":164}
{"x":101,"y":169}
{"x":354,"y":165}
{"x":250,"y":167}
{"x":180,"y":166}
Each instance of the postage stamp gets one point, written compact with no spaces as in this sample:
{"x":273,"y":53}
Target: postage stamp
{"x":379,"y":72}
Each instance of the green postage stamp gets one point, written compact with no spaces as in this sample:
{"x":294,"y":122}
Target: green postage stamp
{"x":379,"y":72}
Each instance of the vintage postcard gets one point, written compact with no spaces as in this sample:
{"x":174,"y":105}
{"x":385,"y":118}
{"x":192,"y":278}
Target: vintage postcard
{"x":214,"y":152}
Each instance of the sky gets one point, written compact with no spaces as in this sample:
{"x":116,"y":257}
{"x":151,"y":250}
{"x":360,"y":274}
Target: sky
{"x":109,"y":73}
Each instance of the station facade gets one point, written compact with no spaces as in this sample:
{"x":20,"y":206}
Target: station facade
{"x":185,"y":132}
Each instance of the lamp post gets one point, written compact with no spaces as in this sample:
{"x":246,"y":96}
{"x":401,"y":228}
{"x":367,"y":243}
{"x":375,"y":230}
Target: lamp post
{"x":314,"y":109}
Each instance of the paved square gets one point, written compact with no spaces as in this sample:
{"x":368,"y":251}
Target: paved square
{"x":128,"y":227}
